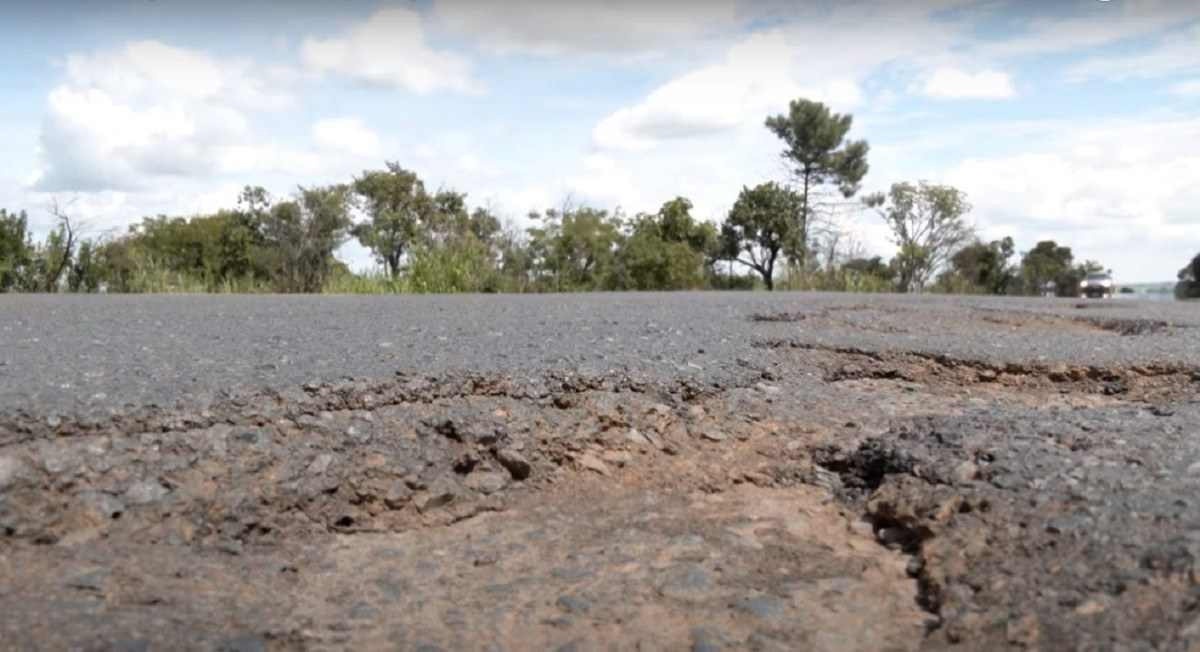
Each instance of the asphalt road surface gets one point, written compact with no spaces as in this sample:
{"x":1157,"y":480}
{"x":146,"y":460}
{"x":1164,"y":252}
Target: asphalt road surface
{"x":703,"y":471}
{"x":71,"y":353}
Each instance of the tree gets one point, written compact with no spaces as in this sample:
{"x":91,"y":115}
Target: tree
{"x":668,"y":250}
{"x":1048,"y":263}
{"x":515,"y":260}
{"x":84,"y":275}
{"x":1189,"y":280}
{"x":59,"y":249}
{"x":15,"y":250}
{"x":301,"y":235}
{"x":927,"y":225}
{"x":760,"y":223}
{"x":576,"y":248}
{"x":870,"y":267}
{"x":398,"y":210}
{"x":820,"y":156}
{"x":985,"y":266}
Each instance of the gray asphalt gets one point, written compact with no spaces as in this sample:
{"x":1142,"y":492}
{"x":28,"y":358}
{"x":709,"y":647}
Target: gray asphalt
{"x":68,"y":354}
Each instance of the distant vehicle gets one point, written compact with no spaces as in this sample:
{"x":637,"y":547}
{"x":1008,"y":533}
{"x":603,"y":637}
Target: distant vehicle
{"x":1097,"y":285}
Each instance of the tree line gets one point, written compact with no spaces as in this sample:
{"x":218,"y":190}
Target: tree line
{"x":787,"y":233}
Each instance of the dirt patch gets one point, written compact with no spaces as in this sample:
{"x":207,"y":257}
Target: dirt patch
{"x":941,"y":374}
{"x":415,"y":514}
{"x":778,"y":317}
{"x":1059,"y":325}
{"x":1131,"y":327}
{"x":833,"y":499}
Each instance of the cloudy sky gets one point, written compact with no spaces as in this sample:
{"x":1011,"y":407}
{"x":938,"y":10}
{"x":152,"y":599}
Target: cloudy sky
{"x":1077,"y":120}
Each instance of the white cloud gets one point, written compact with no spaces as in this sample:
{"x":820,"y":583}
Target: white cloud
{"x":549,"y":27}
{"x":1096,"y":189}
{"x":146,"y":69}
{"x":1189,"y":88}
{"x":1097,"y":24}
{"x":347,"y":135}
{"x":760,"y":74}
{"x":1178,"y":53}
{"x":266,"y":158}
{"x":390,"y":49}
{"x":124,"y":118}
{"x":757,"y":76}
{"x":954,"y":84}
{"x":606,"y":182}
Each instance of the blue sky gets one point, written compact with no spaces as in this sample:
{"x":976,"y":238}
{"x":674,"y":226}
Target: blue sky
{"x":1075,"y":120}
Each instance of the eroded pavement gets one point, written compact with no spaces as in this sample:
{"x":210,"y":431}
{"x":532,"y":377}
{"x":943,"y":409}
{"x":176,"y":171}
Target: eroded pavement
{"x":846,"y":484}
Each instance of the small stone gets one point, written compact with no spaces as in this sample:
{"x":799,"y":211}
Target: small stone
{"x":987,"y":375}
{"x":689,"y":584}
{"x":1194,"y":468}
{"x":101,"y":503}
{"x":636,"y":437}
{"x":862,"y":528}
{"x":591,"y":463}
{"x":1059,"y":373}
{"x":573,"y":605}
{"x":59,"y":459}
{"x":620,"y":458}
{"x":145,"y":492}
{"x":12,"y":470}
{"x":487,"y":482}
{"x":1091,"y":608}
{"x":712,"y":434}
{"x":431,"y":501}
{"x":251,"y":437}
{"x":763,"y":606}
{"x":358,"y":435}
{"x":769,"y":390}
{"x":890,"y":535}
{"x":320,"y":464}
{"x":515,"y":463}
{"x":398,"y":495}
{"x":966,"y":472}
{"x":695,"y":412}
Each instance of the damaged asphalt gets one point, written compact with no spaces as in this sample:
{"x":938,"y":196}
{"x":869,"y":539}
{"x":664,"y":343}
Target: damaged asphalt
{"x":652,"y":471}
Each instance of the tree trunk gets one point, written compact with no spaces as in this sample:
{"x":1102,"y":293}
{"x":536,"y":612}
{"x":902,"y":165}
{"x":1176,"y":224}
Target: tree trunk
{"x":804,"y":222}
{"x":769,"y":272}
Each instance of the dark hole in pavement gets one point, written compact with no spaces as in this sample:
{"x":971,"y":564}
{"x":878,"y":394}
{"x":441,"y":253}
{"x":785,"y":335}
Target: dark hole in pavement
{"x":778,"y":316}
{"x":865,"y":467}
